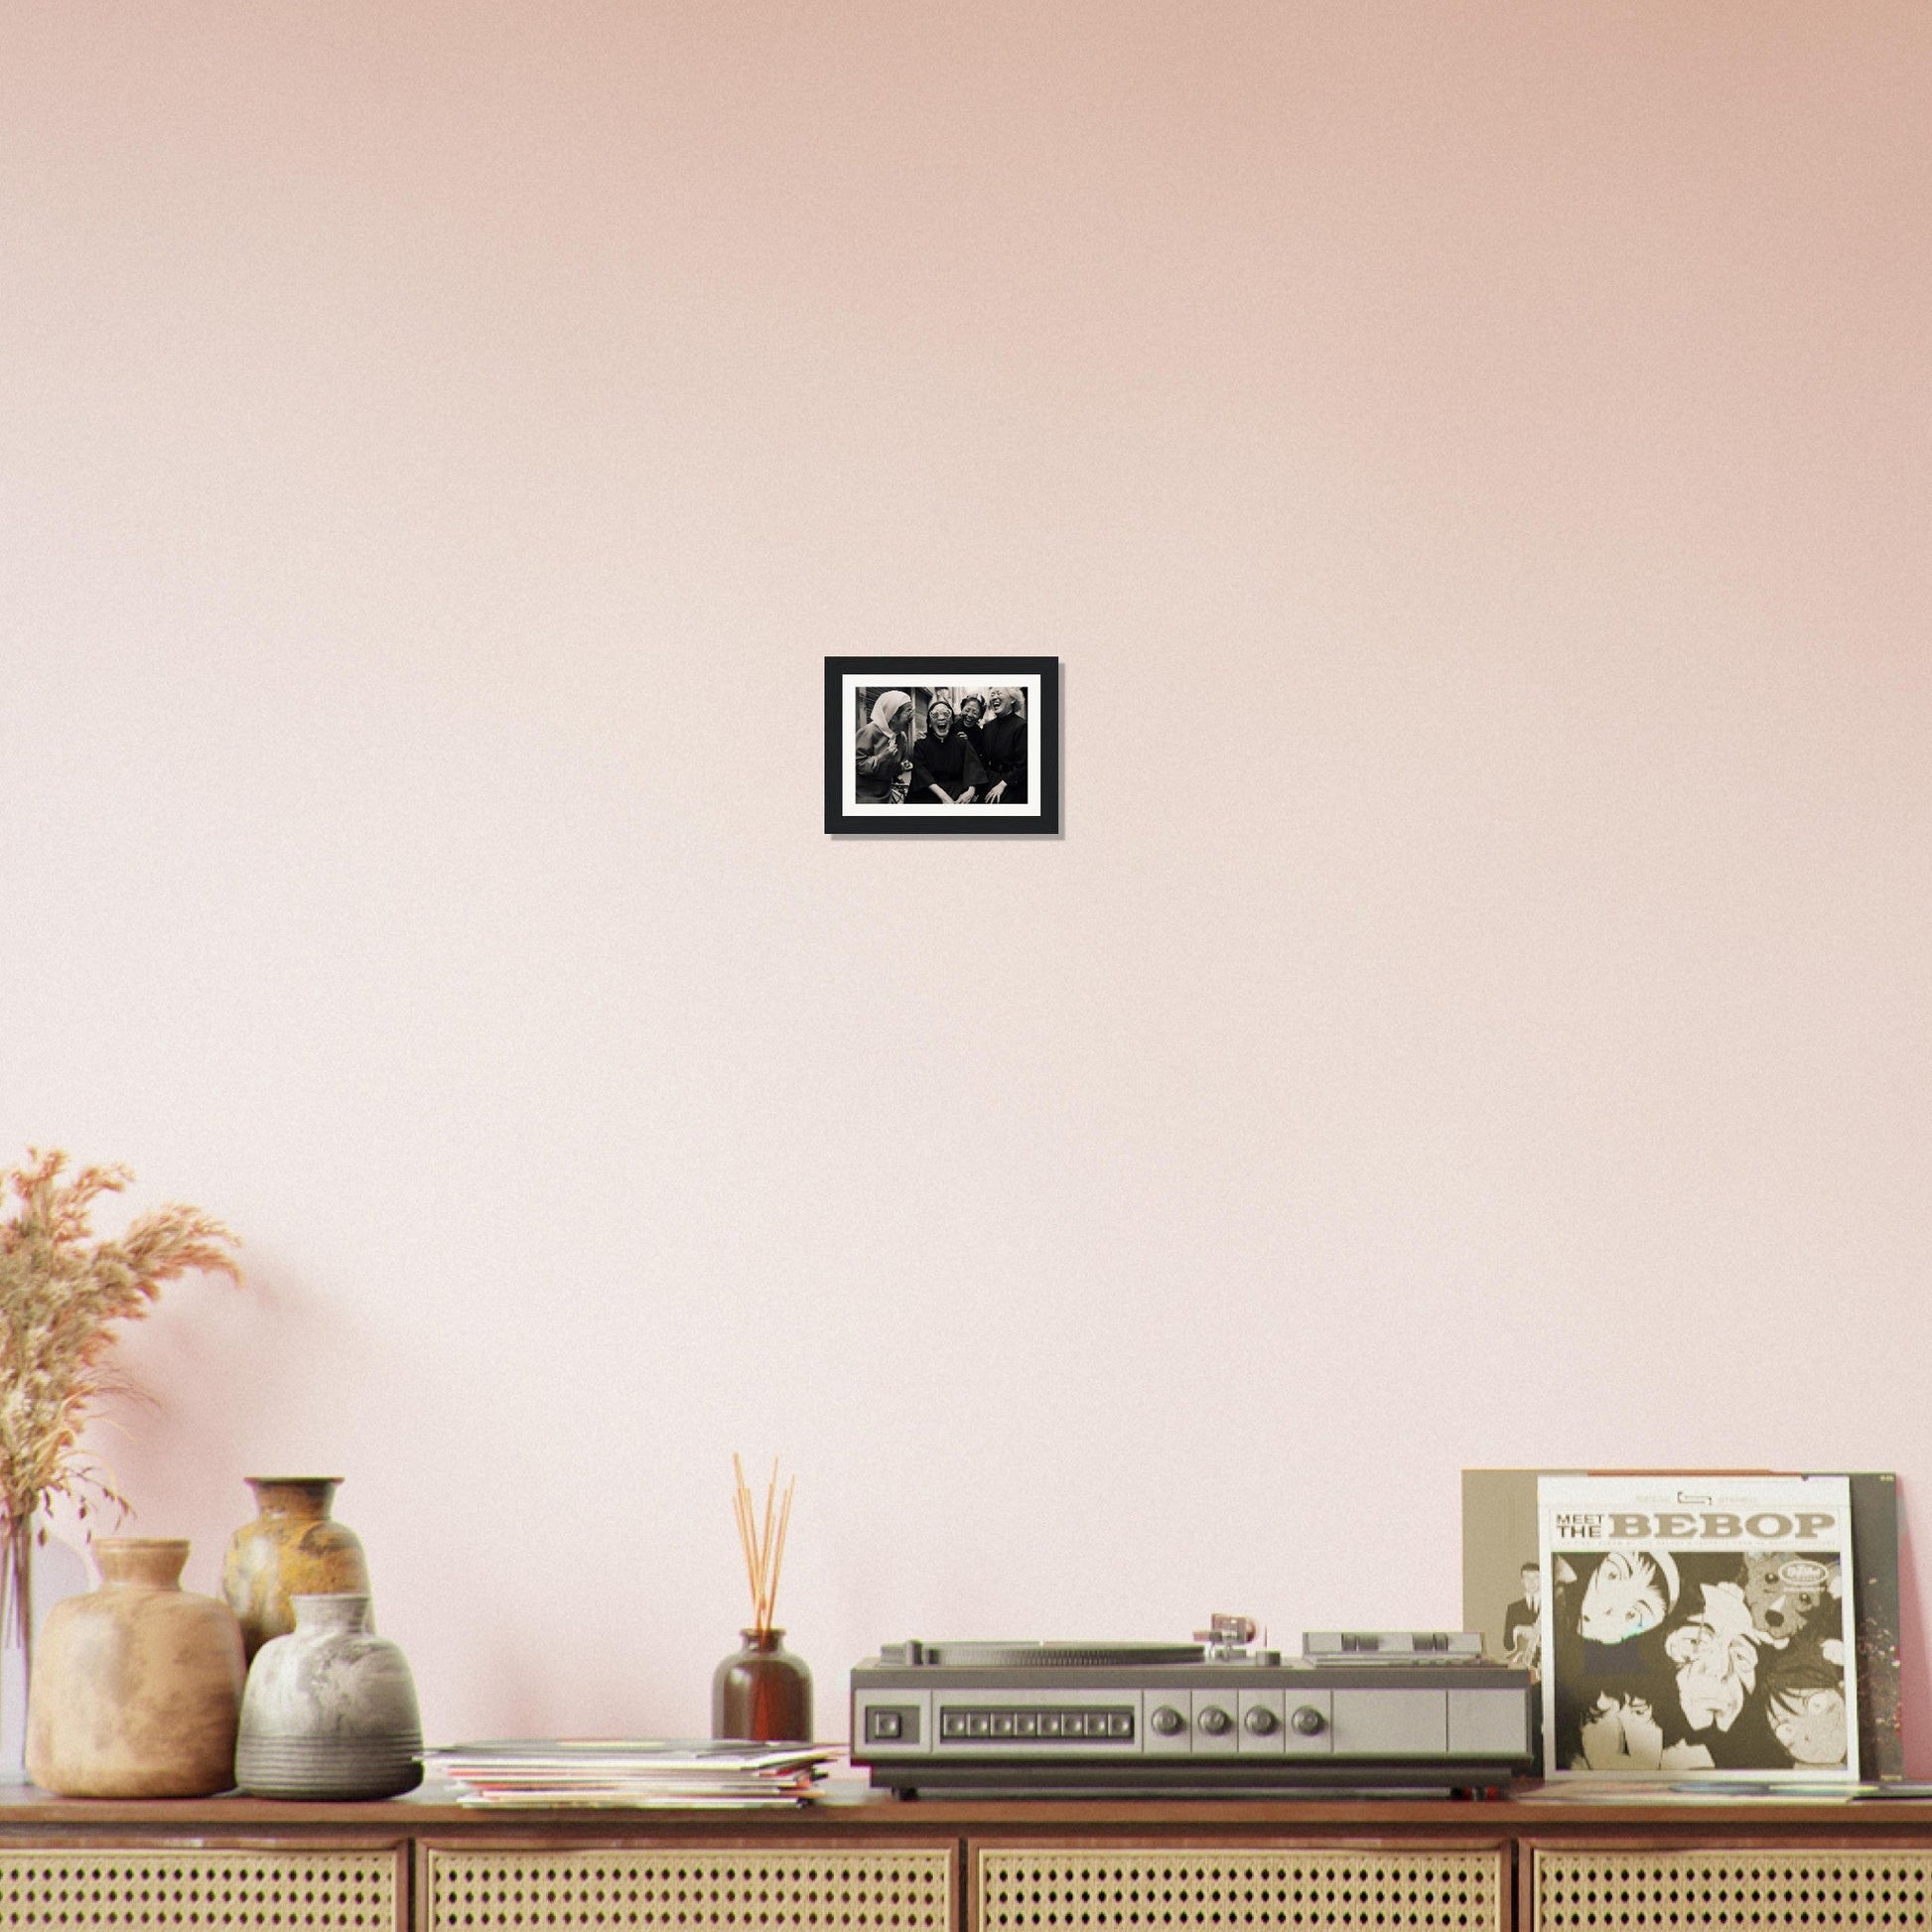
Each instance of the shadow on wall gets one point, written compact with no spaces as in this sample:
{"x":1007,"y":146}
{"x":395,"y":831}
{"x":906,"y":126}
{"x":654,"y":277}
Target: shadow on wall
{"x":222,"y":1376}
{"x":522,"y":1690}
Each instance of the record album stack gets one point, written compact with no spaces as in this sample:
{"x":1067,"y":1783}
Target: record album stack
{"x":633,"y":1772}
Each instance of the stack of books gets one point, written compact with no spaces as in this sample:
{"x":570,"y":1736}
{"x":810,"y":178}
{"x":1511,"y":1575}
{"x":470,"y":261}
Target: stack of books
{"x":629,"y":1771}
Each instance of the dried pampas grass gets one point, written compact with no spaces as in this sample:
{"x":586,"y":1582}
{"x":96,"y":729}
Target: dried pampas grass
{"x":63,"y":1296}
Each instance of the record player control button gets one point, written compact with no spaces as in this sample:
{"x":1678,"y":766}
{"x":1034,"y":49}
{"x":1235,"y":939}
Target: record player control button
{"x":1119,"y":1725}
{"x":1049,"y":1724}
{"x":1308,"y":1721}
{"x":1025,"y":1725}
{"x":1167,"y":1720}
{"x":1260,"y":1721}
{"x":1215,"y":1721}
{"x":1003,"y":1724}
{"x":979,"y":1725}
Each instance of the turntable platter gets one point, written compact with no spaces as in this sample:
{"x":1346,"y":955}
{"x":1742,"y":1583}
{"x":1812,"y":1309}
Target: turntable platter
{"x":1057,"y":1656}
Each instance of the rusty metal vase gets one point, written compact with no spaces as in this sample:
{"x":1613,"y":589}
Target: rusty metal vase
{"x":136,"y":1688}
{"x":763,"y":1692}
{"x":293,"y":1548}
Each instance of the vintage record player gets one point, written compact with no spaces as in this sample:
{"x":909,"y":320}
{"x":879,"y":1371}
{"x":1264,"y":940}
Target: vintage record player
{"x":1358,"y":1710}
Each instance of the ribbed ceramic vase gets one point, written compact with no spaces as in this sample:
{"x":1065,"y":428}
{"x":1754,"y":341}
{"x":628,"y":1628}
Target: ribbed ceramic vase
{"x":292,"y":1546}
{"x":763,"y":1692}
{"x":330,"y":1710}
{"x":137,"y":1686}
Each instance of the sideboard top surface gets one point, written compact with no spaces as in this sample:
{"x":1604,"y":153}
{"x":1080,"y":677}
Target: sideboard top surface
{"x":856,"y":1812}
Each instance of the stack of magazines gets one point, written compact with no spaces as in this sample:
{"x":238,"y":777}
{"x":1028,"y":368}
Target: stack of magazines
{"x":681,"y":1772}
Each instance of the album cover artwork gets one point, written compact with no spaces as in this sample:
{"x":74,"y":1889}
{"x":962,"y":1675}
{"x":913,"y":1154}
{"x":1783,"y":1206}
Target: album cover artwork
{"x":1503,"y":1590}
{"x":1697,"y":1629}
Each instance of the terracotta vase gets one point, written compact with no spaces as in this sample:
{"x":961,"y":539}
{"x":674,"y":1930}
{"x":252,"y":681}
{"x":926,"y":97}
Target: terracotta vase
{"x":330,"y":1710}
{"x":293,"y":1548}
{"x":763,"y":1692}
{"x":137,"y":1686}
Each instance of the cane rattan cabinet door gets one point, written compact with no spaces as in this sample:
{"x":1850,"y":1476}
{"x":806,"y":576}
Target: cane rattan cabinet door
{"x":1150,"y":1890}
{"x":167,"y":1889}
{"x":1750,"y":1889}
{"x":823,"y":1888}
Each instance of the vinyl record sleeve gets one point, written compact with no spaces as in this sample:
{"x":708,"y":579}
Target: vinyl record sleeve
{"x":1698,"y":1629}
{"x":1502,"y":1582}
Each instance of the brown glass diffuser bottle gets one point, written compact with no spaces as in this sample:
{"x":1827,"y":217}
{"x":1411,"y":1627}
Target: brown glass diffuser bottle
{"x":763,"y":1692}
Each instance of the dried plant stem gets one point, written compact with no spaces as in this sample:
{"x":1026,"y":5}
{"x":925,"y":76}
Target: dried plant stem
{"x":19,"y":1590}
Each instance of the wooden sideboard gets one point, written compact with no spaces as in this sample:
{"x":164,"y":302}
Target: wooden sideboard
{"x":868,"y":1863}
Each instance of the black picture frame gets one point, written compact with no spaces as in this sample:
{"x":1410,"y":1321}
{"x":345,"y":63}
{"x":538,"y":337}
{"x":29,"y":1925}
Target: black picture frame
{"x":1037,"y":679}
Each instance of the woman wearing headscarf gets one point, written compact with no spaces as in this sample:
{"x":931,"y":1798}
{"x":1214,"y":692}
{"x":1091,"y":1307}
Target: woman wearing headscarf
{"x":883,"y":748}
{"x":945,"y":768}
{"x":1003,"y":750}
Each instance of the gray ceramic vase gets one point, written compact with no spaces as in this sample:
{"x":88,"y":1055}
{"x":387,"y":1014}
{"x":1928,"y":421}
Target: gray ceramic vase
{"x":330,"y":1710}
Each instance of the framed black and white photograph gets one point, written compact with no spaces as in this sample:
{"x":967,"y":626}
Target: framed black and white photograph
{"x":943,"y":745}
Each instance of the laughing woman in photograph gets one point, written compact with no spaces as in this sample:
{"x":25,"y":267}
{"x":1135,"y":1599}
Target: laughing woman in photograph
{"x":945,"y":767}
{"x":883,"y":749}
{"x":1003,"y":750}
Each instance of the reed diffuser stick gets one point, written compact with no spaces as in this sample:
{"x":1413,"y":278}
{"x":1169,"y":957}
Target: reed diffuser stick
{"x":764,"y":1552}
{"x":779,"y":1555}
{"x":762,"y":1539}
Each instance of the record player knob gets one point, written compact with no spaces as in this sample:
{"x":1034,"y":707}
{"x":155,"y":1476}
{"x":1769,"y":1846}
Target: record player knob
{"x":1260,"y":1721}
{"x":1215,"y":1720}
{"x":1307,"y":1720}
{"x":1166,"y":1721}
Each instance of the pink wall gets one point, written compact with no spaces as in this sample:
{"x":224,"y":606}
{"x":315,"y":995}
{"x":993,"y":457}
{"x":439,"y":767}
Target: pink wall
{"x":1472,"y":462}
